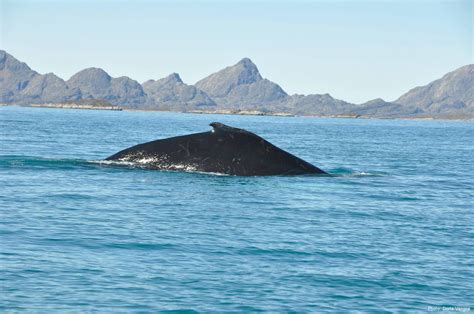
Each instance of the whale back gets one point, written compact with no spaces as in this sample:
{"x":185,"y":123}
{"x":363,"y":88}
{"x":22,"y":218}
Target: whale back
{"x":224,"y":150}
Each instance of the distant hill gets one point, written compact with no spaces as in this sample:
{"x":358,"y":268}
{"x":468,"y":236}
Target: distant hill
{"x":318,"y":104}
{"x":451,"y":94}
{"x":21,"y":85}
{"x":379,"y":108}
{"x":237,"y":87}
{"x":96,"y":83}
{"x":241,"y":87}
{"x":171,"y":93}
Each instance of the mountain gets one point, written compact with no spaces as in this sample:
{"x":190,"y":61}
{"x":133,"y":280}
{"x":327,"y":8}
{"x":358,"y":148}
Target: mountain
{"x":96,"y":83}
{"x":21,"y":85}
{"x":318,"y":104}
{"x":379,"y":108}
{"x":49,"y":88}
{"x":237,"y":87}
{"x":451,"y":94}
{"x":171,"y":93}
{"x":241,"y":87}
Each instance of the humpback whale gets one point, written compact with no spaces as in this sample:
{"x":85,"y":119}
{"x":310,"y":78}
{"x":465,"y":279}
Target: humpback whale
{"x":224,"y":150}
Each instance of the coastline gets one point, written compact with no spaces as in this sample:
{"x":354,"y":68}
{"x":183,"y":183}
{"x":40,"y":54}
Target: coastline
{"x":236,"y":112}
{"x":75,"y":106}
{"x":287,"y":114}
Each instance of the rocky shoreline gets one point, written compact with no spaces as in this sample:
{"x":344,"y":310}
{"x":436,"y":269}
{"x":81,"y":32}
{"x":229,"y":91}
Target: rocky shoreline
{"x":243,"y":112}
{"x":76,"y":106}
{"x":69,"y":106}
{"x":341,"y":116}
{"x":239,"y":112}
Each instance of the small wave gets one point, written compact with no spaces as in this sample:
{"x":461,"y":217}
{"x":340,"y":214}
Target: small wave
{"x":114,"y":163}
{"x":347,"y":172}
{"x":140,"y":246}
{"x":50,"y":163}
{"x":211,"y":173}
{"x":142,"y":165}
{"x":33,"y":161}
{"x":62,"y":163}
{"x":276,"y":251}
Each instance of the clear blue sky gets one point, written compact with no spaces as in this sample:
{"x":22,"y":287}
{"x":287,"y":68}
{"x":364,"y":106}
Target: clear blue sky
{"x":354,"y":50}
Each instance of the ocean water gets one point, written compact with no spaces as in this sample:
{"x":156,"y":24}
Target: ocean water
{"x":391,"y":230}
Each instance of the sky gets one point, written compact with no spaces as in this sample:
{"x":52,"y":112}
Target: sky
{"x":353,"y":50}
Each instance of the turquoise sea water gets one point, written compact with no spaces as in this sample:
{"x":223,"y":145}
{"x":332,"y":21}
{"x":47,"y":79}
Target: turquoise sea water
{"x":392,"y":230}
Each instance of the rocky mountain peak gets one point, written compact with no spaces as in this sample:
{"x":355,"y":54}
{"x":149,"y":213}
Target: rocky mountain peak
{"x":171,"y":92}
{"x":93,"y":82}
{"x":221,"y":83}
{"x":247,"y":63}
{"x":8,"y":62}
{"x":175,"y":77}
{"x":96,"y":74}
{"x":455,"y":90}
{"x":98,"y":84}
{"x":246,"y":71}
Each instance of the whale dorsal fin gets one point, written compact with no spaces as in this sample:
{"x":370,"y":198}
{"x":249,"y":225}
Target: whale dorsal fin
{"x":221,"y":127}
